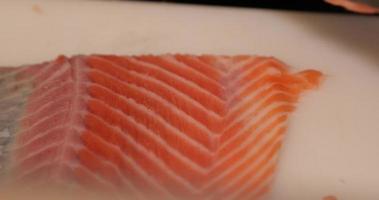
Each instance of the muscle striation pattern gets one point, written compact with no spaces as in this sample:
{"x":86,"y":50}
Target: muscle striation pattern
{"x":194,"y":127}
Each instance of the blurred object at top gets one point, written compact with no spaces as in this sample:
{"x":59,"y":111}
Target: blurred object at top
{"x":361,"y":6}
{"x":300,"y":5}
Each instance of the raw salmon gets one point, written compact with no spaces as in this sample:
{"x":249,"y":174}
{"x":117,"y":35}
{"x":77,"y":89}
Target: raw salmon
{"x":355,"y":6}
{"x":172,"y":126}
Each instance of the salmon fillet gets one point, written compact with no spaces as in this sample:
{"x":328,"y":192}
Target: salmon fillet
{"x":194,"y":127}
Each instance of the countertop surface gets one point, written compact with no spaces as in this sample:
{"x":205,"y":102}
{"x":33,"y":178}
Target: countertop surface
{"x":332,"y":147}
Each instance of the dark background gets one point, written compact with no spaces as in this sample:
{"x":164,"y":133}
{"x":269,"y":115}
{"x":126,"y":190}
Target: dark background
{"x":300,"y":5}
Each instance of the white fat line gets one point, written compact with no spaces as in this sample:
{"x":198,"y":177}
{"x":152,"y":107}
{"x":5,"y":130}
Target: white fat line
{"x":253,"y":135}
{"x":240,"y":64}
{"x":256,"y":176}
{"x":150,"y":155}
{"x":15,"y":71}
{"x":82,"y":66}
{"x":71,"y":113}
{"x":154,"y":115}
{"x":236,"y":68}
{"x":47,"y":94}
{"x":266,"y":184}
{"x":255,"y":94}
{"x":264,"y":60}
{"x":45,"y":83}
{"x":26,"y":89}
{"x":253,"y":111}
{"x":221,"y":73}
{"x":178,"y":78}
{"x":166,"y":86}
{"x":36,"y":137}
{"x":43,"y":120}
{"x":41,"y":108}
{"x":271,"y":61}
{"x":218,"y":59}
{"x":43,"y":134}
{"x":224,"y":62}
{"x":252,"y":181}
{"x":49,"y":87}
{"x":20,"y":93}
{"x":232,"y":67}
{"x":179,"y":64}
{"x":46,"y":162}
{"x":267,"y":72}
{"x":38,"y":166}
{"x":113,"y":167}
{"x":20,"y":174}
{"x":47,"y":131}
{"x":230,"y":80}
{"x":237,"y":71}
{"x":21,"y":158}
{"x":265,"y":140}
{"x":161,"y":140}
{"x":157,"y":139}
{"x":178,"y":111}
{"x":162,"y":100}
{"x":261,"y":78}
{"x":247,"y":100}
{"x":14,"y":147}
{"x":242,"y":174}
{"x":42,"y":71}
{"x":253,"y":117}
{"x":125,"y":179}
{"x":256,"y":66}
{"x":20,"y":96}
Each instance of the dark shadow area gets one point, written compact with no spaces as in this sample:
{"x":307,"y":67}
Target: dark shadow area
{"x":357,"y":32}
{"x":360,"y":34}
{"x":297,"y":5}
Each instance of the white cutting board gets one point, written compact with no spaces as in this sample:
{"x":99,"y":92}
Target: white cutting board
{"x":332,"y":147}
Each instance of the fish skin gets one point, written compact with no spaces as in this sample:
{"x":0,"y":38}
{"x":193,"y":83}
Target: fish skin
{"x":169,"y":126}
